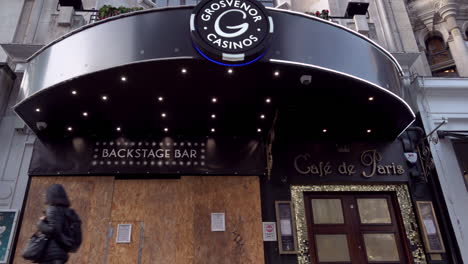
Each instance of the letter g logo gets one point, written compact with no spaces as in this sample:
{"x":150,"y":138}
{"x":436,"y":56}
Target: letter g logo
{"x":242,"y":27}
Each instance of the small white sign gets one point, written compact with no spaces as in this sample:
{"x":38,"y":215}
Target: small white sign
{"x":430,"y":227}
{"x":269,"y":231}
{"x":124,"y":233}
{"x":218,"y":222}
{"x":286,"y":227}
{"x":411,"y":157}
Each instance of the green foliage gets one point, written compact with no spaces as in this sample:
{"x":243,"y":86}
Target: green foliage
{"x":107,"y":11}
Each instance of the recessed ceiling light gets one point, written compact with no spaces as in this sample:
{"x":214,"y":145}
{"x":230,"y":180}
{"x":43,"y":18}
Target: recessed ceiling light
{"x":259,"y":130}
{"x":184,"y":71}
{"x":166,"y":129}
{"x":276,"y":73}
{"x":85,"y":113}
{"x":230,"y":71}
{"x":371,"y":98}
{"x":160,"y":98}
{"x":69,"y":128}
{"x":268,"y":100}
{"x":212,"y":130}
{"x":74,"y":92}
{"x":213,"y":116}
{"x":118,"y":128}
{"x":123,"y":79}
{"x":368,"y":130}
{"x":104,"y":97}
{"x":38,"y":109}
{"x":163,"y":115}
{"x":262,"y":116}
{"x":324,"y":130}
{"x":214,"y":100}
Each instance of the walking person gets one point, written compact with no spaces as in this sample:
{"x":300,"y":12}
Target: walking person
{"x":61,"y":227}
{"x":52,"y":223}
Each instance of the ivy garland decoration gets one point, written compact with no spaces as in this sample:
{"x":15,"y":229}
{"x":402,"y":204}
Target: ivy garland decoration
{"x":107,"y":11}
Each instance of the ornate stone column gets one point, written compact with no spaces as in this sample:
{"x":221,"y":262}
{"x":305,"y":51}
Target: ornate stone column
{"x":448,"y":11}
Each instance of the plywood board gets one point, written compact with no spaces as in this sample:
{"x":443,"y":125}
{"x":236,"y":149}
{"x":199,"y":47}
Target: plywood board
{"x":239,"y":199}
{"x":176,"y":218}
{"x":185,"y":247}
{"x":159,"y":205}
{"x":124,"y":253}
{"x":90,"y":197}
{"x":170,"y":218}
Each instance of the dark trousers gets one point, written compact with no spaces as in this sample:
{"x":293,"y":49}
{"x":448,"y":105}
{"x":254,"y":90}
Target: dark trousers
{"x":59,"y":261}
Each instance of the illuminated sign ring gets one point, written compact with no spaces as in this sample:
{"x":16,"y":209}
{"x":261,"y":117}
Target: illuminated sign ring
{"x":231,"y":32}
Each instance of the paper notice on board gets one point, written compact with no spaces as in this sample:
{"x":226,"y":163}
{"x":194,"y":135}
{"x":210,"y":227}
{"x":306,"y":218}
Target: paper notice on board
{"x":430,"y":227}
{"x":285,"y":226}
{"x":124,"y":233}
{"x":218,"y":222}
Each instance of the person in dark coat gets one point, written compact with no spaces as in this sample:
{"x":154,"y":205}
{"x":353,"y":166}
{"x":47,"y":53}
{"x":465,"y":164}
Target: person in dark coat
{"x":51,"y":224}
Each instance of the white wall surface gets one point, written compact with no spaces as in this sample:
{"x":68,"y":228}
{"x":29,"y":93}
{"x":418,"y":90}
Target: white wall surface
{"x":10,"y":11}
{"x":15,"y":155}
{"x":439,"y":99}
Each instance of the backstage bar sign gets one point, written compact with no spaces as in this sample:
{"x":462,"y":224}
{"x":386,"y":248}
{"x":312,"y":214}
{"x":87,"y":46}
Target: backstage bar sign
{"x":149,"y":153}
{"x":165,"y":156}
{"x":231,"y":32}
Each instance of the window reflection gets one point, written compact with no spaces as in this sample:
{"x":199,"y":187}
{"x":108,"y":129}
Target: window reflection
{"x":332,"y":248}
{"x":327,"y":211}
{"x":374,"y":211}
{"x":381,"y":247}
{"x":439,"y":58}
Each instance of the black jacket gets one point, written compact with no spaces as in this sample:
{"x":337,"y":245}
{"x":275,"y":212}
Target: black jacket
{"x":52,"y":225}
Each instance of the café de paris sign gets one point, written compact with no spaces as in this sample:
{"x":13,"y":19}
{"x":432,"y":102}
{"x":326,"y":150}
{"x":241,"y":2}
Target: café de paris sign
{"x":231,"y":32}
{"x":370,"y":160}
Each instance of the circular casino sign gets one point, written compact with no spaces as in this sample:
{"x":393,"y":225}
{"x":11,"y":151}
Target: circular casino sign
{"x":231,"y":32}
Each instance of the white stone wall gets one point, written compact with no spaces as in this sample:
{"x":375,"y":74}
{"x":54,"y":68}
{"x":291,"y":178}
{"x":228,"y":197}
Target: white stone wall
{"x":446,"y":99}
{"x":10,"y":12}
{"x":309,"y":5}
{"x":16,"y":146}
{"x":15,"y":157}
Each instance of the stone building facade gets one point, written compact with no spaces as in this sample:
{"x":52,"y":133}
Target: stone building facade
{"x":428,"y":38}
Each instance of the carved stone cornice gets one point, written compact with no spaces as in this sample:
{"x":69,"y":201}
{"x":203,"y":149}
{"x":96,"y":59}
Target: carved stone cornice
{"x":426,"y":10}
{"x":446,"y":7}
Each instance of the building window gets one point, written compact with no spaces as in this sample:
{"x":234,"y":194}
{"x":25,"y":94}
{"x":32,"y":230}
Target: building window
{"x":446,"y":72}
{"x":439,"y":58}
{"x":466,"y":37}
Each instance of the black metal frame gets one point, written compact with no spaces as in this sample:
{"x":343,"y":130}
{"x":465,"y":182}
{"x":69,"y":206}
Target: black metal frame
{"x":459,"y":134}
